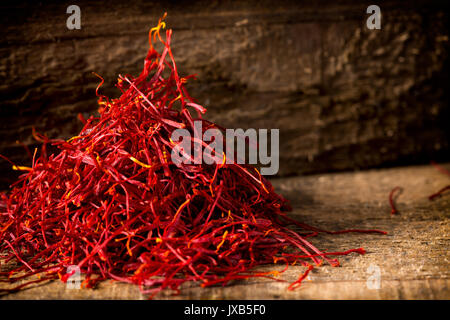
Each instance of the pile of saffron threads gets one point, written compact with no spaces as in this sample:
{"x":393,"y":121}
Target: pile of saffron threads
{"x":113,"y":203}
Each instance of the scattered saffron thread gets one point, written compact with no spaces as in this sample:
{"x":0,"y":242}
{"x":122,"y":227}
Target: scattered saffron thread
{"x":441,"y":169}
{"x":391,"y":199}
{"x":440,"y":192}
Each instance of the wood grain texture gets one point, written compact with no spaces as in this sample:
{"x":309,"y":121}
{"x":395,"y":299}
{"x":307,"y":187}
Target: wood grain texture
{"x":413,"y":258}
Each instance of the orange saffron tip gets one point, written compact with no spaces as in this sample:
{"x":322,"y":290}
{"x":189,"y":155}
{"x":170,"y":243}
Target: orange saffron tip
{"x":78,"y":176}
{"x":73,"y":138}
{"x":155,"y":30}
{"x":140,"y":163}
{"x":21,"y":168}
{"x":223,"y":240}
{"x":128,"y":247}
{"x":181,"y":208}
{"x":7,"y":226}
{"x":177,"y":98}
{"x":101,"y":83}
{"x":160,"y":25}
{"x":275,"y":273}
{"x":84,"y":283}
{"x":224,"y":160}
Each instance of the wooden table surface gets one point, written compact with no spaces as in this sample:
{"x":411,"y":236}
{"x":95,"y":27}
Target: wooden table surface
{"x":412,"y":260}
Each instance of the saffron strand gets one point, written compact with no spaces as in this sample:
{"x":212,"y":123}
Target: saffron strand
{"x":391,"y":199}
{"x":439,"y":193}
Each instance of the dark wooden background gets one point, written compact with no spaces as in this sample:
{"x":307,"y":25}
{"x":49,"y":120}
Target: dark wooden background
{"x":344,"y":97}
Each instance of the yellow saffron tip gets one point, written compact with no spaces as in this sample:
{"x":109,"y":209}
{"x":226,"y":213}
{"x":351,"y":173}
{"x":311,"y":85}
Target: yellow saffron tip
{"x":128,"y":247}
{"x":223,"y":240}
{"x":224,"y":160}
{"x":140,"y":163}
{"x":73,"y":138}
{"x":21,"y":168}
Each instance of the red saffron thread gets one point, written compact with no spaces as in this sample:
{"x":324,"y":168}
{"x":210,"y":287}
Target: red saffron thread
{"x":441,"y":169}
{"x":440,"y":192}
{"x":112,"y":203}
{"x":391,"y":200}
